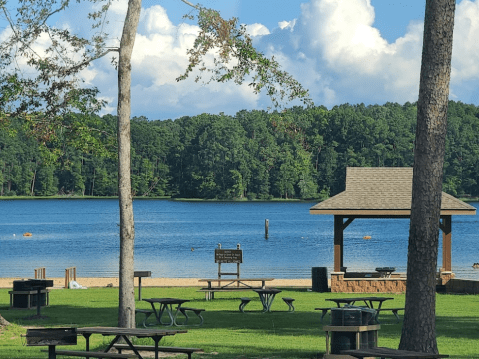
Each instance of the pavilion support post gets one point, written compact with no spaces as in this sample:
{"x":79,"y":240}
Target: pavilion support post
{"x":446,"y":227}
{"x":338,"y":243}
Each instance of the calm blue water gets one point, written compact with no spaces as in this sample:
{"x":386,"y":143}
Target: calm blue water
{"x":84,"y":234}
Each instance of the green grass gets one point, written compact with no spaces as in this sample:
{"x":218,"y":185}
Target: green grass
{"x":227,"y":333}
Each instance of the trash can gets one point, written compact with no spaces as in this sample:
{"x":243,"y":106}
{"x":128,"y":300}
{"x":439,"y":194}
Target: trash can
{"x":319,"y":276}
{"x":345,"y":316}
{"x":353,"y":317}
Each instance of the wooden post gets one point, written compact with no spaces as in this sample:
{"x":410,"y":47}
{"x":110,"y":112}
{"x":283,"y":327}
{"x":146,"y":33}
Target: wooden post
{"x":238,"y":268}
{"x":339,"y":227}
{"x":338,"y":243}
{"x":40,"y":273}
{"x":266,"y":228}
{"x":70,"y":274}
{"x":446,"y":227}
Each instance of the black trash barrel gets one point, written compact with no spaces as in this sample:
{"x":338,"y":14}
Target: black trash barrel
{"x":342,"y":341}
{"x":369,"y":316}
{"x":319,"y":276}
{"x":344,"y":317}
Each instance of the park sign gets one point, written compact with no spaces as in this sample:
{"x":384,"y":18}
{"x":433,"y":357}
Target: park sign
{"x":228,"y":256}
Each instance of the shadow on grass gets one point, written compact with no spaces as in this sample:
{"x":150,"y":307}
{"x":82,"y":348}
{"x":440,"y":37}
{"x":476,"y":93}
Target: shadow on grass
{"x":62,"y":315}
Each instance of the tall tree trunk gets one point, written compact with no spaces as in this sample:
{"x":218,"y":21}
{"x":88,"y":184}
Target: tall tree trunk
{"x":126,"y":309}
{"x":419,"y":330}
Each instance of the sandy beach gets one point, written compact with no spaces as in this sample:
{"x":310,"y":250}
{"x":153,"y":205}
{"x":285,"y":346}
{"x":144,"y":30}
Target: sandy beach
{"x":154,"y":282}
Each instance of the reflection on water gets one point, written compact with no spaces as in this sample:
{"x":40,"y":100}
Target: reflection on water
{"x":84,"y":233}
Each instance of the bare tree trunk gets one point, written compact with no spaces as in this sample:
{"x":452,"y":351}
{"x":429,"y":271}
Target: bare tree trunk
{"x":126,"y":309}
{"x":419,"y":328}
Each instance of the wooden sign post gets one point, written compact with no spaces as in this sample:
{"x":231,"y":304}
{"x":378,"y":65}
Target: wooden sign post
{"x":229,"y":256}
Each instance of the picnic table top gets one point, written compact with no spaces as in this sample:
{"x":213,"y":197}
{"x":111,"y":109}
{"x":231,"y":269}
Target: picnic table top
{"x":391,"y":353}
{"x":128,"y":331}
{"x":359,"y":299}
{"x":166,"y":300}
{"x":356,"y":299}
{"x":367,"y":300}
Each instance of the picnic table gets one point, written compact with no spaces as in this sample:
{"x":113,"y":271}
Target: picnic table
{"x":385,"y":272}
{"x":124,"y":333}
{"x":369,"y":301}
{"x":383,"y":353}
{"x":239,"y":281}
{"x":166,"y":304}
{"x":267,"y":297}
{"x":232,"y":285}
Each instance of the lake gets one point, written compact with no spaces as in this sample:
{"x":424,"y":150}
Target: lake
{"x":177,"y":239}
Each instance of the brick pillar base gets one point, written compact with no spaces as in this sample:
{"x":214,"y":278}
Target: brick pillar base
{"x":337,"y":282}
{"x":445,"y":277}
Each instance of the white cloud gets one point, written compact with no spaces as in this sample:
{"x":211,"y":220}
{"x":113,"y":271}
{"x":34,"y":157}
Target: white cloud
{"x":334,"y":50}
{"x":465,"y":47}
{"x":287,"y":25}
{"x":354,"y":63}
{"x":156,"y":20}
{"x":257,"y":30}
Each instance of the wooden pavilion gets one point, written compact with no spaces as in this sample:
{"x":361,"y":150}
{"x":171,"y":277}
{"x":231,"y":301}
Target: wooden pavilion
{"x":381,"y":193}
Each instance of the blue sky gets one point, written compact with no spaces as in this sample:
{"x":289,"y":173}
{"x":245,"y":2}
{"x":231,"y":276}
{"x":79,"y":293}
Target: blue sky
{"x":343,"y":51}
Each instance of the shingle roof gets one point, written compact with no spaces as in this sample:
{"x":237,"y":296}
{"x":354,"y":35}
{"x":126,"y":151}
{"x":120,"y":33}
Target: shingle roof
{"x":382,"y":191}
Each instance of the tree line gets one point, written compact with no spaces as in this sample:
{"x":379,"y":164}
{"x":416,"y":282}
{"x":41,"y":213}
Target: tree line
{"x":297,"y":153}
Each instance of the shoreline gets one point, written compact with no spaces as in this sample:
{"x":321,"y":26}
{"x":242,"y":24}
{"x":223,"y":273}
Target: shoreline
{"x":97,"y":282}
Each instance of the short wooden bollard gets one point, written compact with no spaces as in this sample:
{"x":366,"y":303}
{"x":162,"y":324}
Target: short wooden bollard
{"x":266,"y":228}
{"x":70,"y":274}
{"x":40,"y":273}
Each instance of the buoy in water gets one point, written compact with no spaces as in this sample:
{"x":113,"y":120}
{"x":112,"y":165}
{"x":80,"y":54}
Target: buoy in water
{"x":367,"y":237}
{"x":27,"y":234}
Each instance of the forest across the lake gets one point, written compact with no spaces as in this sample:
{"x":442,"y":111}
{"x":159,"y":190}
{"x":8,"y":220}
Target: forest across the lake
{"x":297,"y":153}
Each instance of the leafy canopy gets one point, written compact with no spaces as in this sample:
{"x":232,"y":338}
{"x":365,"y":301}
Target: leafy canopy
{"x":236,"y":59}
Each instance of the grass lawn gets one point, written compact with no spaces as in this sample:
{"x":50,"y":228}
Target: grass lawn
{"x":228,"y":333}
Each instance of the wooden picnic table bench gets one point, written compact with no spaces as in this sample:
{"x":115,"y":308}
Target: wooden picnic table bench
{"x":187,"y":351}
{"x":324,"y":311}
{"x":185,"y":310}
{"x":53,"y":337}
{"x":124,"y":334}
{"x":232,"y":285}
{"x":393,"y":310}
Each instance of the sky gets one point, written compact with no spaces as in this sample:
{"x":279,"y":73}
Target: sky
{"x":343,"y":51}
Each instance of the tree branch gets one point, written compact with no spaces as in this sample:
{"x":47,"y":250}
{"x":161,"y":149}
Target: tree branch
{"x":192,"y":5}
{"x":54,"y":12}
{"x":86,"y":62}
{"x":17,"y":35}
